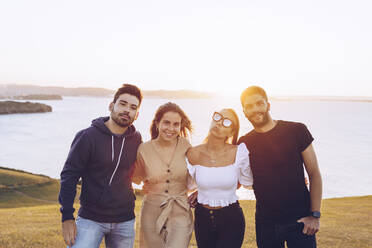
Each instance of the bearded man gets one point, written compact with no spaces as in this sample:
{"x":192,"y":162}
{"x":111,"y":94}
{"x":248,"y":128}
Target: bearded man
{"x":103,"y":156}
{"x":286,"y":211}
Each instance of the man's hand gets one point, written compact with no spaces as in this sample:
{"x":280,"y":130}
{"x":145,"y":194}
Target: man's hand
{"x":69,"y":232}
{"x":192,"y":199}
{"x":311,"y":225}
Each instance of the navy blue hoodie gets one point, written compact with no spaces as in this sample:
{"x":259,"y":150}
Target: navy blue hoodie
{"x":104,"y":162}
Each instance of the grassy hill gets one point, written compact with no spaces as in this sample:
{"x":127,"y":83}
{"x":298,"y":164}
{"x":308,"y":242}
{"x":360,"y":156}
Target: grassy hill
{"x":29,"y":216}
{"x":21,"y":189}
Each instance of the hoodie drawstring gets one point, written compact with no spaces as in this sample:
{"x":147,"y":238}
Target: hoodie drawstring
{"x":112,"y":148}
{"x":117,"y":165}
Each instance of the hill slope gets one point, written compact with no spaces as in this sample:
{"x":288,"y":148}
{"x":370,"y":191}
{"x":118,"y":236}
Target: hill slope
{"x":22,"y":189}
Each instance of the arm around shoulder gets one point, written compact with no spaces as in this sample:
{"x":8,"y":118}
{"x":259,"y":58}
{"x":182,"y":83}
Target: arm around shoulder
{"x":190,"y":159}
{"x":246,"y":176}
{"x":139,"y":173}
{"x":192,"y":155}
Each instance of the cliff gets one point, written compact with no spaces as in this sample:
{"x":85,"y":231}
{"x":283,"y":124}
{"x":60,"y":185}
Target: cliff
{"x":11,"y":107}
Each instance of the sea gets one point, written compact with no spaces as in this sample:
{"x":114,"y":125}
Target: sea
{"x":39,"y":142}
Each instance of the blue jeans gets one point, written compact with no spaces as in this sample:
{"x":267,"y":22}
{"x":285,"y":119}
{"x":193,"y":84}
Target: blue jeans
{"x":274,"y":235}
{"x":91,"y":233}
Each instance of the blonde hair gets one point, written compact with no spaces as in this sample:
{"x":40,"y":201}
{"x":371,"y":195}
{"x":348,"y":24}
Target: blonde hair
{"x":236,"y":127}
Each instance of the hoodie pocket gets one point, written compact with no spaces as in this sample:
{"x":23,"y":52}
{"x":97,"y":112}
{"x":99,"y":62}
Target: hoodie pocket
{"x":115,"y":197}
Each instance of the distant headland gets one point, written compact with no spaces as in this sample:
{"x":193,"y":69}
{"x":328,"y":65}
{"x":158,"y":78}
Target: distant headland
{"x":38,"y":97}
{"x":13,"y":90}
{"x":35,"y":92}
{"x":12,"y":107}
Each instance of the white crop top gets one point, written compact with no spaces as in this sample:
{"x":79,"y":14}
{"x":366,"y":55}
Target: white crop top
{"x":217,"y":185}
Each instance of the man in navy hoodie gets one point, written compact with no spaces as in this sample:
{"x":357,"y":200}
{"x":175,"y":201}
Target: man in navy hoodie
{"x":102,"y":156}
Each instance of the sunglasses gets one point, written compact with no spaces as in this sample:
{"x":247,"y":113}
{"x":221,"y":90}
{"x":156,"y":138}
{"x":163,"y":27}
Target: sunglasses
{"x":226,"y":122}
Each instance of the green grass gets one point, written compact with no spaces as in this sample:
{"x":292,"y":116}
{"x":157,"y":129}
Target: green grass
{"x":10,"y":178}
{"x":29,"y":216}
{"x":23,"y":189}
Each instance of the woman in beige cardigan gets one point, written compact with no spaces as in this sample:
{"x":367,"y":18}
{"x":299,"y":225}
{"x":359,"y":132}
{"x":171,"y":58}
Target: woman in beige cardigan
{"x":166,"y":218}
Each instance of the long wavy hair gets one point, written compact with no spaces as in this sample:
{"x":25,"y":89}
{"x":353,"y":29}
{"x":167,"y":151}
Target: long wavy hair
{"x":186,"y":127}
{"x":233,"y":139}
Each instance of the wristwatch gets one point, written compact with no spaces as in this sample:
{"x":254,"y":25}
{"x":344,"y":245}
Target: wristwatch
{"x":315,"y":214}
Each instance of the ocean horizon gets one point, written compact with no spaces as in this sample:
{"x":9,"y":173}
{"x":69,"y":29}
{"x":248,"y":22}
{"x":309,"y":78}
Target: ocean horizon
{"x":39,"y":143}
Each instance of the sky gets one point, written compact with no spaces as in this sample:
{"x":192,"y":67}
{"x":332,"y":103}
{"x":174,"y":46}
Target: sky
{"x":289,"y":47}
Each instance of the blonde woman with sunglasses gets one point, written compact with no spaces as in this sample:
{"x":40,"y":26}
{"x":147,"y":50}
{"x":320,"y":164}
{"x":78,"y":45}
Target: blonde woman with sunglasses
{"x":219,"y":167}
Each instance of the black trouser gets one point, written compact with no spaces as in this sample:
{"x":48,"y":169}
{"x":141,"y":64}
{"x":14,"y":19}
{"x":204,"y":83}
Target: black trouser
{"x":273,"y":235}
{"x":219,"y":228}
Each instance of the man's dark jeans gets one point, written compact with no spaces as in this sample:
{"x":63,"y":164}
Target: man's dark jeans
{"x":274,"y":235}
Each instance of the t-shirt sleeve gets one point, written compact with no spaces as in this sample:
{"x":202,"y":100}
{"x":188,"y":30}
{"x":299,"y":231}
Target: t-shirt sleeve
{"x":304,"y":137}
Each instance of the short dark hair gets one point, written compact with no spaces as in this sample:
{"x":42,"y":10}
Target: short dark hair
{"x":253,"y":90}
{"x":129,"y":89}
{"x":170,"y":107}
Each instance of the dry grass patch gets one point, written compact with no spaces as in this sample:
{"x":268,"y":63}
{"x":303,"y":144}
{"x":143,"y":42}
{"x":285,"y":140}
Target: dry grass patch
{"x":345,"y":223}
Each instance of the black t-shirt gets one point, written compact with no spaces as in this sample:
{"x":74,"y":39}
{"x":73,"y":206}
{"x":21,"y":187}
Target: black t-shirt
{"x":278,"y":172}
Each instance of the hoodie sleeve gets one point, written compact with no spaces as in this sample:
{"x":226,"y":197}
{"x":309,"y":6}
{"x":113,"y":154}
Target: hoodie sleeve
{"x":75,"y":164}
{"x":139,"y":172}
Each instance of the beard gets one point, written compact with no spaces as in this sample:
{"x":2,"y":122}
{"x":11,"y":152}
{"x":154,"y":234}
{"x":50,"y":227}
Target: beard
{"x":116,"y":117}
{"x":261,"y":123}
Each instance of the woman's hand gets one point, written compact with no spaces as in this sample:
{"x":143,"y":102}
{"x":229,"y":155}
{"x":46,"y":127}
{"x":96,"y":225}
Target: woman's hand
{"x":192,"y":199}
